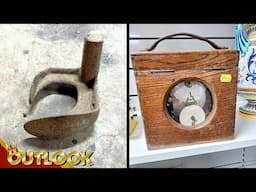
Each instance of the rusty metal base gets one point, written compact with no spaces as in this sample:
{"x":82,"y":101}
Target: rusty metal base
{"x":66,"y":82}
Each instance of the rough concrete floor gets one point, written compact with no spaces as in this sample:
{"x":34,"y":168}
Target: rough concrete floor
{"x":27,"y":49}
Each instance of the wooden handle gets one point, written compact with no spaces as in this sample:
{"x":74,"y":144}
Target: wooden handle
{"x":214,"y":45}
{"x":91,"y":58}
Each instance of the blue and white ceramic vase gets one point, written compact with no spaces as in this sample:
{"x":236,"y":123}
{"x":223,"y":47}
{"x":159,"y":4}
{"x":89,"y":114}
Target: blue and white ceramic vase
{"x":246,"y":44}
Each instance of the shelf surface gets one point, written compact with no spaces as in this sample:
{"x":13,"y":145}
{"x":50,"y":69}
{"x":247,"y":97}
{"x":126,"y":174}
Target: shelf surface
{"x":245,"y":136}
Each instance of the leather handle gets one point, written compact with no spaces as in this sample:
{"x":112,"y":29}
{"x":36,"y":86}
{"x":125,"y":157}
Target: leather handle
{"x":214,"y":45}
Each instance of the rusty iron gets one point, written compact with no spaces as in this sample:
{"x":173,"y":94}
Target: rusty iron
{"x":78,"y":83}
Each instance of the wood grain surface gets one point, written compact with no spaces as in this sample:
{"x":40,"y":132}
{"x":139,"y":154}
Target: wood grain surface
{"x":153,"y":87}
{"x":184,"y":59}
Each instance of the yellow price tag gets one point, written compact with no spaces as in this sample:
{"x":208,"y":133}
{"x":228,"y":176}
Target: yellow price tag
{"x":225,"y":78}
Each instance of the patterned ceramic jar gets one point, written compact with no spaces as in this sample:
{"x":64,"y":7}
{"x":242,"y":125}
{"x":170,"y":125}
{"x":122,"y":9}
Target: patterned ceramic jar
{"x":246,"y":44}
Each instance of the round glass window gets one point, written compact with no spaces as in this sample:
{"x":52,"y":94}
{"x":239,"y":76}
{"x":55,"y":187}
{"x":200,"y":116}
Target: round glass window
{"x":189,"y":103}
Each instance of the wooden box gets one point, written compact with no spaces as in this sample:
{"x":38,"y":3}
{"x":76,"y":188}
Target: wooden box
{"x":157,"y":73}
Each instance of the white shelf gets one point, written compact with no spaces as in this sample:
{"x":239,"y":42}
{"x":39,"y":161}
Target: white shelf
{"x":245,"y":136}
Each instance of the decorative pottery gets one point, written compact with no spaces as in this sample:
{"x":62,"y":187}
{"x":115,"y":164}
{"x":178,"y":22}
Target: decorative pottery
{"x":246,"y":44}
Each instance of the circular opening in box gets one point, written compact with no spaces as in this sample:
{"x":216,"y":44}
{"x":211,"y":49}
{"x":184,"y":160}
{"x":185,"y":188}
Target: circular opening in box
{"x":189,"y":103}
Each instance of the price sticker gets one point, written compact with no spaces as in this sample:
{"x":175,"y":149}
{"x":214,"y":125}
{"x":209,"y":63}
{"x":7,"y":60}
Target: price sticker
{"x":225,"y":78}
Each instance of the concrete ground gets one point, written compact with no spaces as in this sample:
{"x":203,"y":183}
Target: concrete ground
{"x":27,"y":49}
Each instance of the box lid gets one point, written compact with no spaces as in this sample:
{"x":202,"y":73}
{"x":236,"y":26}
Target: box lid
{"x":219,"y":58}
{"x":180,"y":60}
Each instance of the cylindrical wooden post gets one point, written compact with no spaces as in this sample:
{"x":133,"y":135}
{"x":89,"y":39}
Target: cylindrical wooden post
{"x":91,"y":58}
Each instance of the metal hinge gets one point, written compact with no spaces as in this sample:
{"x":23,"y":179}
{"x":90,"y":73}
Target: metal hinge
{"x":217,"y":68}
{"x":161,"y":70}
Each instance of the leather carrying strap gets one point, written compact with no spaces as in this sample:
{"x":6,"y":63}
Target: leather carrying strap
{"x":214,"y":45}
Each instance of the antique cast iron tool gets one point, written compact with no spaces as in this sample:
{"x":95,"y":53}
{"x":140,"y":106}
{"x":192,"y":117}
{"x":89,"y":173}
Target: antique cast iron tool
{"x":77,"y":83}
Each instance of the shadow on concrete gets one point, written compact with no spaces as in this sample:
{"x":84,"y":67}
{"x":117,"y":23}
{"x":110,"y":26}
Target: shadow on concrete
{"x":66,"y":142}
